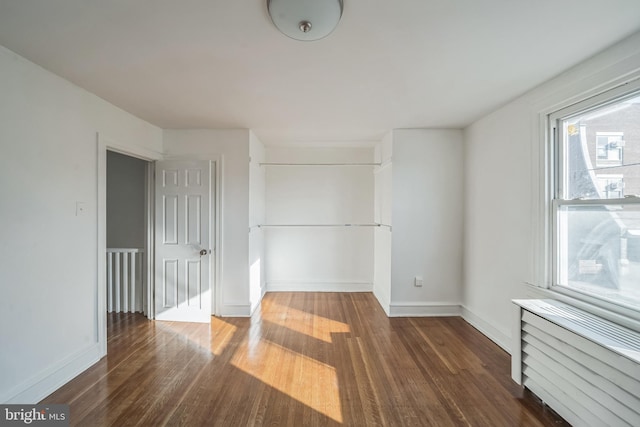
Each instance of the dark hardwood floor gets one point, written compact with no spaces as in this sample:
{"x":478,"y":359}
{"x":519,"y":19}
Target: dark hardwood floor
{"x":304,"y":359}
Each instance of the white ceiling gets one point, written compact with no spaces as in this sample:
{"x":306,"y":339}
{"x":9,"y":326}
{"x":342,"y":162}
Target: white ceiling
{"x":389,"y":64}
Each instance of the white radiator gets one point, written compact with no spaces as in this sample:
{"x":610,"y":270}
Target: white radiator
{"x":124,"y":280}
{"x":585,"y":368}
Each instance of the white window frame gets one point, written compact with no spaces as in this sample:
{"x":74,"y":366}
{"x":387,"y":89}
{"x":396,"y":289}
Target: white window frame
{"x":554,"y":184}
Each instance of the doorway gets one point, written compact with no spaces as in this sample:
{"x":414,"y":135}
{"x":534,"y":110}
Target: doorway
{"x":104,"y":146}
{"x":152,"y":159}
{"x":127,"y":234}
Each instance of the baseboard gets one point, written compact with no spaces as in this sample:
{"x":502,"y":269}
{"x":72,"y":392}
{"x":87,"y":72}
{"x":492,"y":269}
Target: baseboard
{"x":235,"y":310}
{"x":494,"y":334}
{"x":282,"y":286}
{"x":254,"y":306}
{"x":413,"y":309}
{"x":49,"y":380}
{"x":382,"y":301}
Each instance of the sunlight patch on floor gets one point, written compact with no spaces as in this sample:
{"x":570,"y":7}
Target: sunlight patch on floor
{"x":300,"y":321}
{"x":222,"y":332}
{"x":197,"y":334}
{"x":302,"y":378}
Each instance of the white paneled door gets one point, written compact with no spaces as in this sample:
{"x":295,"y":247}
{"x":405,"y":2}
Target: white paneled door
{"x":184,"y":253}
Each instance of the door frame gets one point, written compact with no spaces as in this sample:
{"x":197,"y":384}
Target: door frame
{"x":105,"y":144}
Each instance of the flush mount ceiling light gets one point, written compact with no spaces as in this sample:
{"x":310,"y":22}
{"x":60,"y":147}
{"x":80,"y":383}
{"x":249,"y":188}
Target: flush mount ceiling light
{"x":305,"y":19}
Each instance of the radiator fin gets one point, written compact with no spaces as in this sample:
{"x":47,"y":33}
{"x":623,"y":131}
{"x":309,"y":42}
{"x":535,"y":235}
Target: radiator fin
{"x":605,"y":385}
{"x":584,"y":367}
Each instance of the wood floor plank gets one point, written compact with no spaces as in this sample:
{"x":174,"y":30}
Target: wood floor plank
{"x":303,"y":359}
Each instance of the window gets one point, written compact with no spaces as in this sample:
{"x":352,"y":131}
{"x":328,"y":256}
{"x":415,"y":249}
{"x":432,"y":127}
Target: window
{"x":595,"y":222}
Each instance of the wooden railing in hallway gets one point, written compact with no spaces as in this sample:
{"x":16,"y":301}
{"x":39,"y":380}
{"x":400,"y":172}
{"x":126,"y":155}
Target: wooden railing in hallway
{"x":124,"y":280}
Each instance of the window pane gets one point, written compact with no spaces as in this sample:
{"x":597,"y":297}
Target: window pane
{"x":600,"y":143}
{"x":599,"y":251}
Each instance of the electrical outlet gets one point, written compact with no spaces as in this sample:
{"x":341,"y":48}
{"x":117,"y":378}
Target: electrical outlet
{"x":417,"y":281}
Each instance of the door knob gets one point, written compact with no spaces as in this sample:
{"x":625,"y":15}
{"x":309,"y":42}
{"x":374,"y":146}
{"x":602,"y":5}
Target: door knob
{"x":203,"y":252}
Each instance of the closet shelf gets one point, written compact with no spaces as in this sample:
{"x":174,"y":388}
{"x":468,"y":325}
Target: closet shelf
{"x":318,"y":225}
{"x":319,"y":164}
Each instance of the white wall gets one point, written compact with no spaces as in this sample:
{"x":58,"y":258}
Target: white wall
{"x":48,"y":255}
{"x":319,"y":258}
{"x":126,"y":192}
{"x":498,"y":217}
{"x":232,"y":146}
{"x":257,"y":179}
{"x":383,"y":182}
{"x":504,"y":234}
{"x":427,"y":220}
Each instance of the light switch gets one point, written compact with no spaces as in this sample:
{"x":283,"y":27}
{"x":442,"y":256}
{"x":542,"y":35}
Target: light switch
{"x":81,"y":208}
{"x":417,"y":282}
